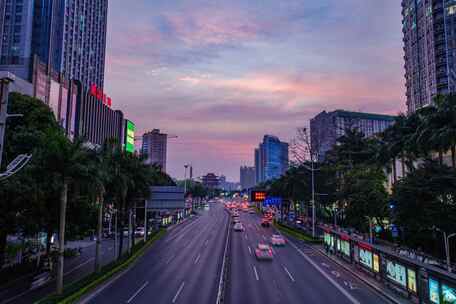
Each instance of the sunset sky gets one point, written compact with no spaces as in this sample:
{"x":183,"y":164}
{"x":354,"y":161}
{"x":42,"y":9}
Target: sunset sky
{"x":221,"y":74}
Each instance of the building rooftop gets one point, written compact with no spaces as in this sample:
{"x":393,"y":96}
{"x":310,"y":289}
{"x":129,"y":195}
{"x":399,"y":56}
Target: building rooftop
{"x":359,"y":115}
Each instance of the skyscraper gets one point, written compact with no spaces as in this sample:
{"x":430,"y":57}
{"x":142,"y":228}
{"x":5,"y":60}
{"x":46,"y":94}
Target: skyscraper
{"x":154,"y":145}
{"x":271,"y":158}
{"x":68,"y":36}
{"x":429,"y":29}
{"x":247,"y":177}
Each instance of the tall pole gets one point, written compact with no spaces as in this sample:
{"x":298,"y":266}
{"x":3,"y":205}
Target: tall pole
{"x":145,"y":220}
{"x":185,"y":179}
{"x":447,"y":250}
{"x":371,"y":237}
{"x":4,"y":91}
{"x":313,"y":197}
{"x":115,"y":233}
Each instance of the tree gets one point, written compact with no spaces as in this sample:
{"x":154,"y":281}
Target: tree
{"x":364,"y":195}
{"x":425,"y":199}
{"x":26,"y":194}
{"x":67,"y":161}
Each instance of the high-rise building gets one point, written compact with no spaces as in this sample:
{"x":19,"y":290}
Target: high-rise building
{"x":154,"y":145}
{"x":429,"y":29}
{"x":271,"y":159}
{"x":16,"y":27}
{"x":327,"y":127}
{"x":67,"y":36}
{"x":247,"y":177}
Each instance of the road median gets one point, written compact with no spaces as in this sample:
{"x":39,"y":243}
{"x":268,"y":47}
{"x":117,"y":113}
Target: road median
{"x":75,"y":291}
{"x":296,"y":233}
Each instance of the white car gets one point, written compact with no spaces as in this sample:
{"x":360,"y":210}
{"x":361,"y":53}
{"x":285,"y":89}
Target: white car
{"x":238,"y":227}
{"x":277,"y":240}
{"x":139,"y":232}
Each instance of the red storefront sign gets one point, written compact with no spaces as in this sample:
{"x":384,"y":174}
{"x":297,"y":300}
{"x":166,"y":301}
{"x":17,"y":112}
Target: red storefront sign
{"x":365,"y":246}
{"x":100,"y":95}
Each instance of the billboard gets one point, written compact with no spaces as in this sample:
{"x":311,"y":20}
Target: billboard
{"x":365,"y":257}
{"x":434,"y":293}
{"x":448,"y":294}
{"x":396,"y":273}
{"x":258,"y":196}
{"x":130,"y":137}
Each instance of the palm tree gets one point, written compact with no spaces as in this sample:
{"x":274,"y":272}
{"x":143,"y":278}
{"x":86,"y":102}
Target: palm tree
{"x":67,"y":160}
{"x":99,"y":178}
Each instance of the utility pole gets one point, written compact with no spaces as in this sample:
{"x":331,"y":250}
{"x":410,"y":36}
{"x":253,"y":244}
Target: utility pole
{"x":313,"y":197}
{"x":5,"y":80}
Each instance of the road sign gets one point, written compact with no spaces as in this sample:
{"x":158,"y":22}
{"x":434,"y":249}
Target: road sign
{"x":272,"y":201}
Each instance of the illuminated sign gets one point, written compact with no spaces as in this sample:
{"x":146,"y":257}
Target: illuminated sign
{"x":345,"y":247}
{"x":396,"y":273}
{"x":376,"y":263}
{"x":272,"y":201}
{"x":100,"y":95}
{"x":365,"y":257}
{"x":258,"y":196}
{"x":434,"y":292}
{"x":448,"y":294}
{"x":411,"y":280}
{"x":130,"y":137}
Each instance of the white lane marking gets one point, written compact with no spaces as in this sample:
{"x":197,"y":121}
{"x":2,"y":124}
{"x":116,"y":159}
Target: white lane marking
{"x":178,"y":292}
{"x":256,"y":273}
{"x":206,"y":242}
{"x":250,"y":250}
{"x":289,"y":274}
{"x":222,"y":272}
{"x":325,"y":265}
{"x":197,"y":259}
{"x":323,"y":273}
{"x":79,"y":266}
{"x":273,"y":251}
{"x":138,"y":291}
{"x":110,"y":248}
{"x":170,"y":259}
{"x":246,"y":237}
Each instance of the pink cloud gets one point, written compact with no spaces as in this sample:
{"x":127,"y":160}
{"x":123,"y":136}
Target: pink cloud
{"x":293,"y":90}
{"x":212,"y":27}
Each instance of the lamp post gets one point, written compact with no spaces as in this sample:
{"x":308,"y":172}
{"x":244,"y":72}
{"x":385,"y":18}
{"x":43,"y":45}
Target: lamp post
{"x":446,"y":241}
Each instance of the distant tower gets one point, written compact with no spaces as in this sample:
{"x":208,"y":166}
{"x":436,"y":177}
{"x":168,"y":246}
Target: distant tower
{"x":154,"y":145}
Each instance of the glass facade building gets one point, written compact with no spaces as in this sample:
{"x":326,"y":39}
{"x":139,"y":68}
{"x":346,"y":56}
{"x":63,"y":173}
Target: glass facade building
{"x":69,"y":36}
{"x":271,"y":159}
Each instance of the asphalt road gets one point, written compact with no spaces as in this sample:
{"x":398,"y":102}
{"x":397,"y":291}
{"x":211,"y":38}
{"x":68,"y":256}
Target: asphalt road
{"x":183,"y":267}
{"x":297,"y":273}
{"x":75,"y":269}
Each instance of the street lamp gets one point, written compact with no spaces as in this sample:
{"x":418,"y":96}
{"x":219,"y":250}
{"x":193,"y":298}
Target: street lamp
{"x":446,"y":241}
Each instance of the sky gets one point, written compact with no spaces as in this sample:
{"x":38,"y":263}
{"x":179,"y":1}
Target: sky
{"x":221,"y":74}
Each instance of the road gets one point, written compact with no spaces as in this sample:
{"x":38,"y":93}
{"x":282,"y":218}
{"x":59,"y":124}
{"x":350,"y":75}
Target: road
{"x":75,"y":269}
{"x":183,"y":267}
{"x":297,"y":274}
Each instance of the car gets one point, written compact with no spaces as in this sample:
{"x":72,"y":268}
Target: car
{"x":238,"y":227}
{"x":263,"y":252}
{"x":277,"y":240}
{"x":265,"y":223}
{"x":139,"y":232}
